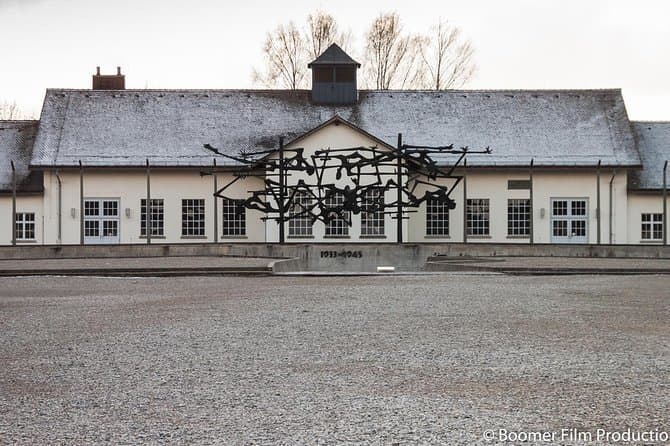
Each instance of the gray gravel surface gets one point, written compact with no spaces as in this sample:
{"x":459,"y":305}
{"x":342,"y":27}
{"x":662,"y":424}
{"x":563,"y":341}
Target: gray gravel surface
{"x":329,"y":360}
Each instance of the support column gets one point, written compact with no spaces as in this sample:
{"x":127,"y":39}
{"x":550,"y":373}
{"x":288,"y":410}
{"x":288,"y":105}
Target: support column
{"x":599,"y":220}
{"x":148,"y":206}
{"x":465,"y":202}
{"x":81,"y":203}
{"x":399,"y":181}
{"x":532,"y":211}
{"x":13,"y":225}
{"x":665,"y":203}
{"x":216,"y":204}
{"x":281,"y":190}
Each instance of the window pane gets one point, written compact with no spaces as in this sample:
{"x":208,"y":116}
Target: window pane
{"x":234,"y":218}
{"x":518,"y":217}
{"x":477,"y":216}
{"x":437,"y":217}
{"x":652,"y":227}
{"x":157,"y":217}
{"x":372,"y":215}
{"x":338,"y":220}
{"x":193,"y":217}
{"x":300,"y":219}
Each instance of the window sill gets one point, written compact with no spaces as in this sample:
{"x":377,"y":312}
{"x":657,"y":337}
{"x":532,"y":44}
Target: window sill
{"x":652,"y":242}
{"x":26,"y":241}
{"x":372,"y":237}
{"x":337,"y":236}
{"x":300,"y":236}
{"x":157,"y":237}
{"x":517,"y":237}
{"x":437,"y":236}
{"x":228,"y":237}
{"x":194,"y":237}
{"x":478,"y":237}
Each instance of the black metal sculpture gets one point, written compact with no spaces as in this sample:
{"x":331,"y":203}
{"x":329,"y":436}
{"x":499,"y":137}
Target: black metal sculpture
{"x":359,"y":172}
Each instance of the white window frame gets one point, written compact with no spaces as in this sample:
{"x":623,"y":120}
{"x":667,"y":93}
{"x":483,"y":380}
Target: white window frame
{"x":651,"y":224}
{"x":372,"y":215}
{"x":233,"y":218}
{"x":300,"y":223}
{"x":193,"y":217}
{"x":24,"y":226}
{"x":157,"y":217}
{"x":478,"y":217}
{"x":437,"y":218}
{"x":339,"y":225}
{"x":518,"y":217}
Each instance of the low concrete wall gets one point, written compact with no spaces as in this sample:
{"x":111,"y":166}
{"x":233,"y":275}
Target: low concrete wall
{"x":339,"y":256}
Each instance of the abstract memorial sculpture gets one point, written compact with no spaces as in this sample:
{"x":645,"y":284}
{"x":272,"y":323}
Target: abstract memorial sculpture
{"x":334,"y":183}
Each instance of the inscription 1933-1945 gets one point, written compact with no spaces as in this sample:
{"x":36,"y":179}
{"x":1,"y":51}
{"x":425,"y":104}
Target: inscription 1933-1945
{"x":341,"y":254}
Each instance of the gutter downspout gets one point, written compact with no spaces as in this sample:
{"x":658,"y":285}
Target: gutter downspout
{"x":60,"y":207}
{"x":147,"y":221}
{"x":216,"y":203}
{"x":665,"y":202}
{"x":611,"y":211}
{"x":532,"y":213}
{"x":81,"y":203}
{"x":399,"y":191}
{"x":599,"y":221}
{"x":465,"y":202}
{"x":281,"y":190}
{"x":13,"y":225}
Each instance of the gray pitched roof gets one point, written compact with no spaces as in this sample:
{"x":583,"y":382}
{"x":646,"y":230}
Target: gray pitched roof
{"x":334,"y":55}
{"x":123,"y":128}
{"x":16,"y":144}
{"x":653,"y":139}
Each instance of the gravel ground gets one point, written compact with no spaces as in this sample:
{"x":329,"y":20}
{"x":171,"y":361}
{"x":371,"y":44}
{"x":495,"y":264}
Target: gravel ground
{"x":327,"y":360}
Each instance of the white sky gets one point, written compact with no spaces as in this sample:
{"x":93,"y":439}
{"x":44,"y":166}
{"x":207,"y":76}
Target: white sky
{"x":215,"y":43}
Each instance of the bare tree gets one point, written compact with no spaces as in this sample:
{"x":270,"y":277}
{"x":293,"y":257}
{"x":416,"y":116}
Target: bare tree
{"x":10,"y":111}
{"x":322,"y":31}
{"x":447,"y":61}
{"x":391,"y":57}
{"x":286,"y":65}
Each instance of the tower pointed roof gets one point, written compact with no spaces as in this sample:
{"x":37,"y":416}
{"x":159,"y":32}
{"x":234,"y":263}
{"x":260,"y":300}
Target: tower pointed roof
{"x":334,"y":55}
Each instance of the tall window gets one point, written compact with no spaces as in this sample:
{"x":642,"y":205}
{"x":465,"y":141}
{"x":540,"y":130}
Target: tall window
{"x":518,"y":217}
{"x":652,"y":226}
{"x":437,"y":217}
{"x":157,"y":217}
{"x":234,"y":218}
{"x":24,"y":226}
{"x":477,"y":216}
{"x":300,"y":223}
{"x":339,"y":225}
{"x":372,"y":215}
{"x":193,"y":217}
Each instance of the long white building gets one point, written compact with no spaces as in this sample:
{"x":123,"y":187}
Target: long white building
{"x":80,"y":172}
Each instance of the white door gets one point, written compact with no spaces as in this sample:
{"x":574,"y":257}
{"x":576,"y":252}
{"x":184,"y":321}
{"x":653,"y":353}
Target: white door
{"x":569,"y":220}
{"x":101,"y":221}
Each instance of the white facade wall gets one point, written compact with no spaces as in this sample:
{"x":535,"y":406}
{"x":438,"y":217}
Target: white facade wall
{"x":173,"y":185}
{"x":130,"y":187}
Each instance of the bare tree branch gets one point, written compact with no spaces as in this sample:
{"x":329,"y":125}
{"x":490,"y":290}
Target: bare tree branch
{"x":446,"y":60}
{"x":10,"y":111}
{"x":285,"y":62}
{"x":391,"y":57}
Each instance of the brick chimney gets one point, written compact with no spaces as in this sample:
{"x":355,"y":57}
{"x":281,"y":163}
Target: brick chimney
{"x":109,"y":81}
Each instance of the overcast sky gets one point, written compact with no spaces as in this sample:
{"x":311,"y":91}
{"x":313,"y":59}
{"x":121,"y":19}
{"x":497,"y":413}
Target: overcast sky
{"x":216,"y":43}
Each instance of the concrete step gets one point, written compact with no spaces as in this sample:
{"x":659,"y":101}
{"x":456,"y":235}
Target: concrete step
{"x":141,"y":272}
